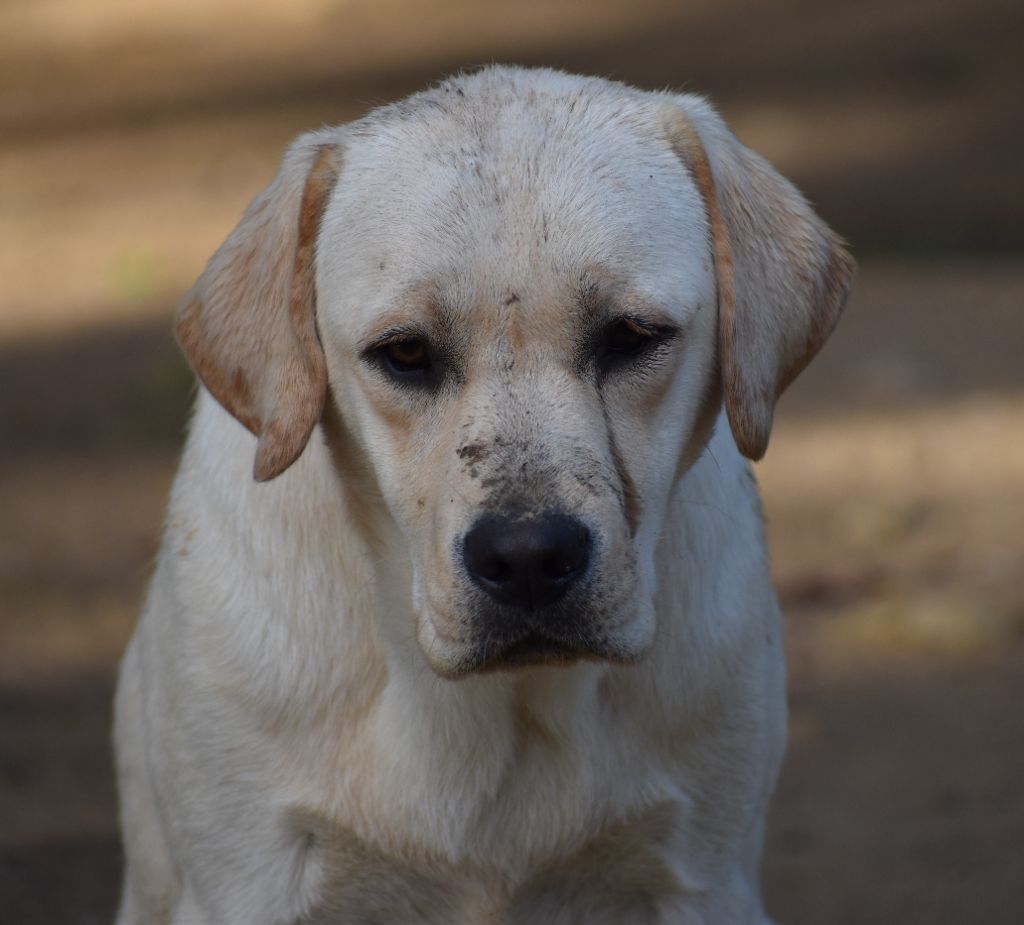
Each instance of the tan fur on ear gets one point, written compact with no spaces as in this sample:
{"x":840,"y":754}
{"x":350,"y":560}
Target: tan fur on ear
{"x":248,"y":325}
{"x":782,"y":274}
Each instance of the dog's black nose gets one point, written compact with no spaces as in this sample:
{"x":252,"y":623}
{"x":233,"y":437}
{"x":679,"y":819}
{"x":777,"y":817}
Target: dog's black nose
{"x":527,"y":562}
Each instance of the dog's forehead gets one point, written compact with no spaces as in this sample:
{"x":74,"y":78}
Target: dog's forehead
{"x":507,"y":180}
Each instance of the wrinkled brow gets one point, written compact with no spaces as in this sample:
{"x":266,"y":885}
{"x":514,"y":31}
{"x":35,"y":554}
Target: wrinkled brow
{"x":419,"y":310}
{"x":602,"y":296}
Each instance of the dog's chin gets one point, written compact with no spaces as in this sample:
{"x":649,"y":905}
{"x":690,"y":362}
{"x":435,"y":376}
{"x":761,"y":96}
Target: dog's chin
{"x":531,"y":651}
{"x":487,"y":653}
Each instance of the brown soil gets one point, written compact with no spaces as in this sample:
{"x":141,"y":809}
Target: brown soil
{"x":894,"y":487}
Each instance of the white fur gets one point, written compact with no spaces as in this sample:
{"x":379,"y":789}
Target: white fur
{"x":285,"y":752}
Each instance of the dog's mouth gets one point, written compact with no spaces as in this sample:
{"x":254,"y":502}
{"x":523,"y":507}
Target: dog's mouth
{"x":483,"y":637}
{"x":531,"y":650}
{"x":535,"y":649}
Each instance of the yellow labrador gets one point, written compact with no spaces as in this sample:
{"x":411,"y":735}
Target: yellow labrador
{"x":490,"y":636}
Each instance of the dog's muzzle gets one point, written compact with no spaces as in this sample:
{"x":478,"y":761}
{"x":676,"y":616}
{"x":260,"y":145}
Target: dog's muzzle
{"x":527,"y":566}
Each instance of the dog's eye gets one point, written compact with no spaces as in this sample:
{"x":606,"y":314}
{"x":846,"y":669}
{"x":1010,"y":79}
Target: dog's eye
{"x":627,"y":338}
{"x":407,"y":357}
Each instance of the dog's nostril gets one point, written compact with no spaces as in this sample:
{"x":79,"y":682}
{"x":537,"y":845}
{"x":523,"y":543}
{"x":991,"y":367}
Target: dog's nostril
{"x":564,"y":563}
{"x":528,"y":563}
{"x":492,"y":568}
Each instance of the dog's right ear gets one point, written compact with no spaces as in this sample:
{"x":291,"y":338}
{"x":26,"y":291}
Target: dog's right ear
{"x":248,"y":325}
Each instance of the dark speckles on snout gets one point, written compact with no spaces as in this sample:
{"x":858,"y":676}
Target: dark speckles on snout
{"x":471,"y":451}
{"x":471,"y":454}
{"x":511,"y":299}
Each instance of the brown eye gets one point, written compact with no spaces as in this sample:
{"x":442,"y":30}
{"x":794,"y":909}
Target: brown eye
{"x":409,"y":359}
{"x":628,"y":341}
{"x":625,"y":337}
{"x":407,"y":356}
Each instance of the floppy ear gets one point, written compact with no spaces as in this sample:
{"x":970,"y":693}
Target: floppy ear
{"x":248,"y":325}
{"x":783,"y":275}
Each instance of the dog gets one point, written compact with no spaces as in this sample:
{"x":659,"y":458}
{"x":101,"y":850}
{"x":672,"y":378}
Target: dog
{"x":463,"y":612}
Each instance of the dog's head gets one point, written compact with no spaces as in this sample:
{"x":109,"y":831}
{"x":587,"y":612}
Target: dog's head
{"x":524,"y":296}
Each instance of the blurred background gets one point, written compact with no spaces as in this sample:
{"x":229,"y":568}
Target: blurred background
{"x":133,"y":133}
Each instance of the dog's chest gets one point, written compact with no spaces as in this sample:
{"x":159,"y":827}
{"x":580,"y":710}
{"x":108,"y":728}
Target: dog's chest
{"x":628,"y":874}
{"x":535,"y":829}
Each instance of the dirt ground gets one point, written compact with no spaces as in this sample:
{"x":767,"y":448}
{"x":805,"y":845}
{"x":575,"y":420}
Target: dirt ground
{"x":894,"y":486}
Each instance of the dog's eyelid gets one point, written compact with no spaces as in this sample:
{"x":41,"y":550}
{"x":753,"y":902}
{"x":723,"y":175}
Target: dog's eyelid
{"x":392,"y":335}
{"x":629,"y":340}
{"x":657,"y":327}
{"x":631,"y":335}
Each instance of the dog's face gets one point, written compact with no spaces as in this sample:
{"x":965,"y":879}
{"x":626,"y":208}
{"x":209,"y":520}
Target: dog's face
{"x":522,"y":356}
{"x":519,"y":291}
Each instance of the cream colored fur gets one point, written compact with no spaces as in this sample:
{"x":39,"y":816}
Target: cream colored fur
{"x":306,"y":729}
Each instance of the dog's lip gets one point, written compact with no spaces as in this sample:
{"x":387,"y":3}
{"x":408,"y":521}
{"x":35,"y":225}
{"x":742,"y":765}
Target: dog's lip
{"x":534,"y":649}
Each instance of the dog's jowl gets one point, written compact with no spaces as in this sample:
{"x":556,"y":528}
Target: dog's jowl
{"x":462,"y":612}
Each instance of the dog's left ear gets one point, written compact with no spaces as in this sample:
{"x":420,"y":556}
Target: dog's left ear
{"x":783,"y":275}
{"x":248,"y":325}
